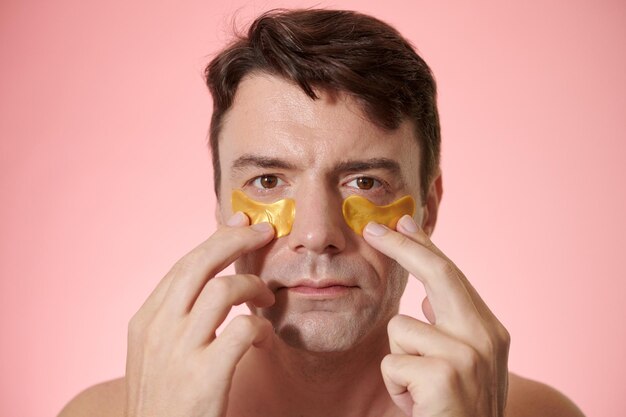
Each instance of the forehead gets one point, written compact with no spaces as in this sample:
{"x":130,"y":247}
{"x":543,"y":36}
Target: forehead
{"x":275,"y":118}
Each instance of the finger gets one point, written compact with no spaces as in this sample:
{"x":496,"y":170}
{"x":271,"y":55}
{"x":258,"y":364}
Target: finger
{"x":410,"y":336}
{"x":229,"y":347}
{"x":155,"y":299}
{"x":449,"y":298}
{"x":207,"y":259}
{"x":407,"y":226}
{"x":417,"y":380}
{"x":215,"y":301}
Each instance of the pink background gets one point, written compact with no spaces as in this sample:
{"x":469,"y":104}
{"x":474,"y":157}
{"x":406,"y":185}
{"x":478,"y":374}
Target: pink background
{"x":105,"y":180}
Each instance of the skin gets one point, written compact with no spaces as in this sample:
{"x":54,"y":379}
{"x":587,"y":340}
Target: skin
{"x":325,"y":340}
{"x":348,"y":355}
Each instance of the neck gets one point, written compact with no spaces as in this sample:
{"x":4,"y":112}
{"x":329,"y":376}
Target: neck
{"x":288,"y":381}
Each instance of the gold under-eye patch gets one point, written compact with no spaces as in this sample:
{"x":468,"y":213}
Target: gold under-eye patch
{"x":358,"y":211}
{"x":279,"y":214}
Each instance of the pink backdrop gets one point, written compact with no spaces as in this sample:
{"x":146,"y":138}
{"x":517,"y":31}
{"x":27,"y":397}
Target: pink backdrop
{"x":105,"y":179}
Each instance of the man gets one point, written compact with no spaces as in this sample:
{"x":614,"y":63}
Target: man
{"x":312,"y":107}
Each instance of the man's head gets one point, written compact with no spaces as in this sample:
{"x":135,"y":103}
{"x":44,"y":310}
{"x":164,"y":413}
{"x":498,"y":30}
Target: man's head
{"x":317,"y":105}
{"x":337,"y":51}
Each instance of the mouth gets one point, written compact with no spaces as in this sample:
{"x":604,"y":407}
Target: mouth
{"x":319,"y":288}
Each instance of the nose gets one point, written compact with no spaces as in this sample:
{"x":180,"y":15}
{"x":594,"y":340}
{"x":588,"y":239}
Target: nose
{"x":318,"y":225}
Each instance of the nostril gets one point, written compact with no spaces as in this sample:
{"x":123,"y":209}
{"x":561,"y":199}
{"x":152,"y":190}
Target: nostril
{"x":333,"y":248}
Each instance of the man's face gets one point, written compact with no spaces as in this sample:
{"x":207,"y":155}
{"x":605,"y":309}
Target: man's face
{"x":277,"y":143}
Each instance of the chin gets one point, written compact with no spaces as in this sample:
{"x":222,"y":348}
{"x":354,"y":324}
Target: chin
{"x":326,"y":331}
{"x":321,"y":331}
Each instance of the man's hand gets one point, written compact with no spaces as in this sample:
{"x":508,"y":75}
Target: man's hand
{"x":456,"y":366}
{"x":176,"y":366}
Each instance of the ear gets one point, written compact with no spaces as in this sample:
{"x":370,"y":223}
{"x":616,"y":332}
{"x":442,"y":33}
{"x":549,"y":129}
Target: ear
{"x":431,"y":206}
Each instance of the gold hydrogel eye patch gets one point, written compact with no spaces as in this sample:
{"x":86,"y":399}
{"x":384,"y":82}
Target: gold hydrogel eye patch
{"x":279,"y":214}
{"x":358,"y":211}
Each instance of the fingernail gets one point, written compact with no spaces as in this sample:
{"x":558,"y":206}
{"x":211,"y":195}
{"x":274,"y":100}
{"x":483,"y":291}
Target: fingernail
{"x":408,"y":224}
{"x":375,"y":229}
{"x":262,"y":227}
{"x":236,"y":219}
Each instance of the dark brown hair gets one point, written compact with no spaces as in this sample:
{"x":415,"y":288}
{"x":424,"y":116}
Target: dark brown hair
{"x":336,"y":51}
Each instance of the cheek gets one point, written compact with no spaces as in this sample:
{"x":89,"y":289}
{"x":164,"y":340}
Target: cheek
{"x":391,"y":277}
{"x":249,"y":263}
{"x":393,"y":283}
{"x":223,"y":208}
{"x":419,"y":215}
{"x":396,"y":283}
{"x":255,"y":262}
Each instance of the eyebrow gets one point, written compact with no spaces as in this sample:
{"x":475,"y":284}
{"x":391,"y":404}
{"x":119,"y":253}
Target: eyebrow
{"x":369,"y":164}
{"x":259,"y":161}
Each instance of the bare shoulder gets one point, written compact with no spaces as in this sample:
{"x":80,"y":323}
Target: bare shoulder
{"x":100,"y":400}
{"x":528,"y":398}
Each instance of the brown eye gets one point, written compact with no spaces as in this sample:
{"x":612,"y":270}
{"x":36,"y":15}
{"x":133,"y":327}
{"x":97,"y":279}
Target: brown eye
{"x":268,"y":181}
{"x":364,"y":183}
